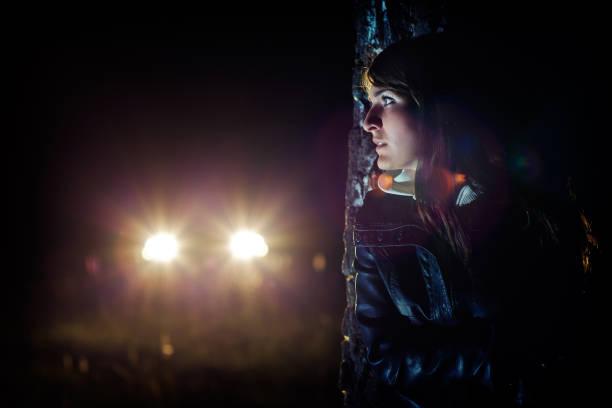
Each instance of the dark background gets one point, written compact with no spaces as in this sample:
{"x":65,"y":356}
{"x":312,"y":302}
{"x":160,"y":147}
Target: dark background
{"x":138,"y":119}
{"x":124,"y":118}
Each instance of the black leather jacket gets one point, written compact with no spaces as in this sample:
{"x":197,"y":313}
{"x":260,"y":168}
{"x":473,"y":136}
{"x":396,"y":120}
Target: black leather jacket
{"x":438,"y":334}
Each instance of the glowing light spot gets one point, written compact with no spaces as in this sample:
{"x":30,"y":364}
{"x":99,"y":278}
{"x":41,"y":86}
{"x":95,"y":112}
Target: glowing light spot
{"x":167,"y":350}
{"x":319,"y":262}
{"x":248,"y":244}
{"x":83,"y":365}
{"x":92,"y":265}
{"x":160,"y":248}
{"x":460,"y":178}
{"x":385,"y":181}
{"x":346,"y":338}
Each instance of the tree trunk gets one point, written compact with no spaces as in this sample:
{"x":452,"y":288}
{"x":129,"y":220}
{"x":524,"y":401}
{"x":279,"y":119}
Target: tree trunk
{"x":378,"y":23}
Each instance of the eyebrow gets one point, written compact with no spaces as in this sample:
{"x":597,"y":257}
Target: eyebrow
{"x":379,"y":92}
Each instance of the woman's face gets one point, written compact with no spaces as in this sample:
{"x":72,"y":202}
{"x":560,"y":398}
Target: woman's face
{"x":393,"y":126}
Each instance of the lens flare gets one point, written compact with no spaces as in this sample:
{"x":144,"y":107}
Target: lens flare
{"x":460,"y":178}
{"x":160,"y":248}
{"x":319,"y":262}
{"x":385,"y":181}
{"x":248,"y":244}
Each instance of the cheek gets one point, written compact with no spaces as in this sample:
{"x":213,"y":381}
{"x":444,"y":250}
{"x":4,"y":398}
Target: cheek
{"x":407,"y":137}
{"x":404,"y":124}
{"x":402,"y":132}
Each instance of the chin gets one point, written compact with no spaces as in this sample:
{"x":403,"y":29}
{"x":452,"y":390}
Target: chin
{"x":385,"y":166}
{"x":382,"y":165}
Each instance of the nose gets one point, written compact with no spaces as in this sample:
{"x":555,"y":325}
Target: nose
{"x":372,"y":120}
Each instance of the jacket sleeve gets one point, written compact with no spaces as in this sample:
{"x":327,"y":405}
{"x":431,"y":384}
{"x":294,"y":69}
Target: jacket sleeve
{"x":409,"y":355}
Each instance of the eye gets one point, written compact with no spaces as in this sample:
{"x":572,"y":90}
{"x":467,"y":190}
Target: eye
{"x":387,"y":100}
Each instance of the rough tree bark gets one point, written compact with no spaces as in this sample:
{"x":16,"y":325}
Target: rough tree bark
{"x":378,"y":23}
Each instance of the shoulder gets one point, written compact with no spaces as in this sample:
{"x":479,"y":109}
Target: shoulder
{"x":389,"y":220}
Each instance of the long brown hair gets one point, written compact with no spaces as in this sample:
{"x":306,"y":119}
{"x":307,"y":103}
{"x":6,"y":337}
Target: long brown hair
{"x":419,"y":70}
{"x":431,"y":71}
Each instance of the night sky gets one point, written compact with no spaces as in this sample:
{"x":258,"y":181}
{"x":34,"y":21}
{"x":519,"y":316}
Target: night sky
{"x":132,"y":120}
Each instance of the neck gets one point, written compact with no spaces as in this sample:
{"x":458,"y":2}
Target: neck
{"x":412,"y":167}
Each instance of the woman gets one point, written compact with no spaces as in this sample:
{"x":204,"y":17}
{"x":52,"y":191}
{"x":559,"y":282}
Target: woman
{"x":461,"y":289}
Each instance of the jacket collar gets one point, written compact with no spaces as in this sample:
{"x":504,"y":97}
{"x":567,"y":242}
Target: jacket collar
{"x":399,"y":182}
{"x":402,"y":182}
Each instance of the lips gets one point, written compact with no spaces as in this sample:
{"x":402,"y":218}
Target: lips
{"x":380,"y":146}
